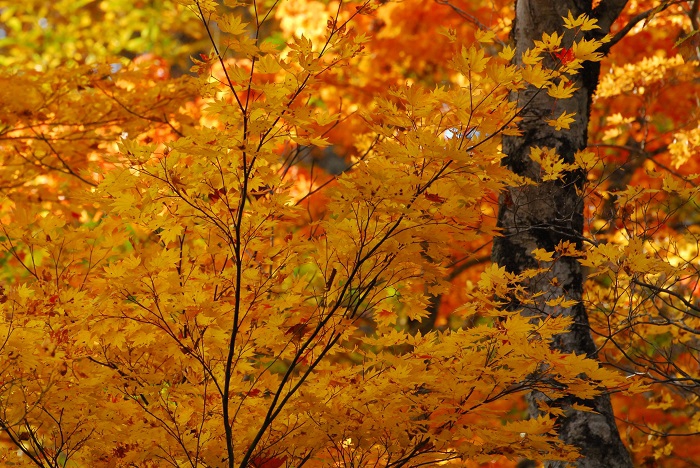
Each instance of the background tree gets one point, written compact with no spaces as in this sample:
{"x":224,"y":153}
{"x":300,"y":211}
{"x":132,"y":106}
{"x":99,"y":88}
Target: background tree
{"x":550,"y":214}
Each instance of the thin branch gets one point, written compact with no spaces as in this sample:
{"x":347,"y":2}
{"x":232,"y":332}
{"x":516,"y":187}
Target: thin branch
{"x":693,"y":13}
{"x":68,"y":170}
{"x":686,"y":302}
{"x":219,"y":57}
{"x":469,"y":17}
{"x":634,"y":21}
{"x":607,"y":12}
{"x":141,"y":116}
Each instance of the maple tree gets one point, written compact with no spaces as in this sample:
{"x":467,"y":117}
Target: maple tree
{"x":184,"y":285}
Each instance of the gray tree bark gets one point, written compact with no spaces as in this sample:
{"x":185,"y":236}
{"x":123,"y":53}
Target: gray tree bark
{"x":543,"y":215}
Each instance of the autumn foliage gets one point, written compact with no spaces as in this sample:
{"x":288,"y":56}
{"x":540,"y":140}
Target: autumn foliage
{"x":187,"y":279}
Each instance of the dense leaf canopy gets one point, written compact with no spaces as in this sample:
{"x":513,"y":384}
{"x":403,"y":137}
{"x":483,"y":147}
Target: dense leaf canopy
{"x":223,"y":223}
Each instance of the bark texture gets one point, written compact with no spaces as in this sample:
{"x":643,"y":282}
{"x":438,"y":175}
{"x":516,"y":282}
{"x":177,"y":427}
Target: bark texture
{"x":542,"y":216}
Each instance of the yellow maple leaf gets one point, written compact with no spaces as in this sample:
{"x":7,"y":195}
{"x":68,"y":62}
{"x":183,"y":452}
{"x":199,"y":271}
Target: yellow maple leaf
{"x":562,"y":121}
{"x":563,"y":90}
{"x":583,"y":22}
{"x":542,"y":255}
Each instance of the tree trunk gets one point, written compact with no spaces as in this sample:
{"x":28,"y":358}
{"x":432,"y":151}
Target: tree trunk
{"x":542,"y":216}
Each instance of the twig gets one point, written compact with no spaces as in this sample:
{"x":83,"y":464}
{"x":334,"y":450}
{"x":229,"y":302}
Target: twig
{"x":633,"y":22}
{"x":469,"y":17}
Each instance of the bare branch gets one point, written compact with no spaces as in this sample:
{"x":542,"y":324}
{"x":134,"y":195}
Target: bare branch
{"x":693,"y":13}
{"x":633,"y":22}
{"x":607,"y":13}
{"x":469,"y":17}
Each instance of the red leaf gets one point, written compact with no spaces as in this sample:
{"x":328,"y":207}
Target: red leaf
{"x":297,"y":330}
{"x":565,"y":55}
{"x":435,"y":198}
{"x":253,"y":393}
{"x":268,"y":462}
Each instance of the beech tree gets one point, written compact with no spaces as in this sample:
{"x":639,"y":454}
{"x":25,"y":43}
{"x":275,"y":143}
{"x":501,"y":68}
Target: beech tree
{"x":183,"y":285}
{"x":551,"y":213}
{"x":540,"y":217}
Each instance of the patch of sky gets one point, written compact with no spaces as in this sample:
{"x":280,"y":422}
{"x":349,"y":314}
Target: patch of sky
{"x":454,"y":132}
